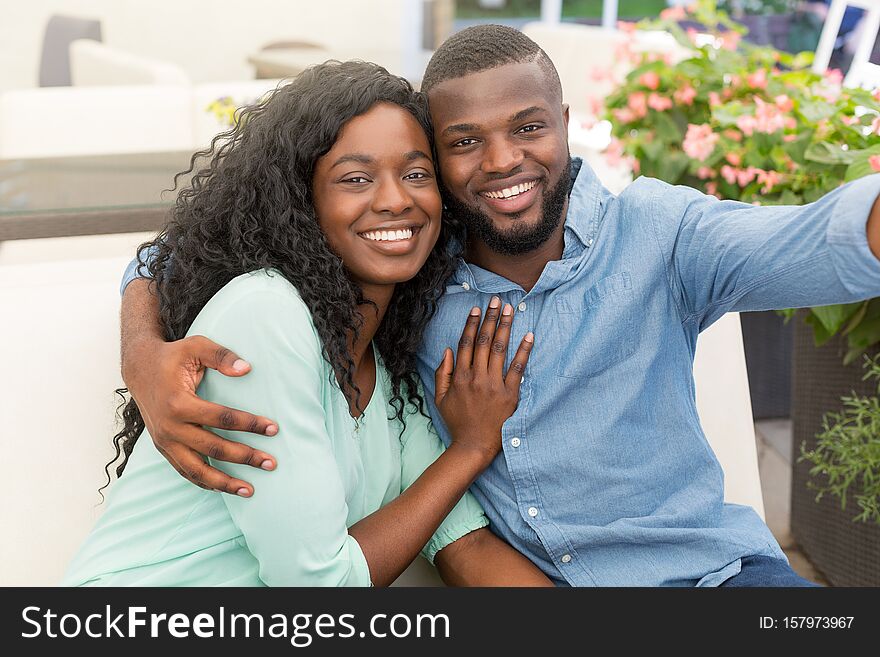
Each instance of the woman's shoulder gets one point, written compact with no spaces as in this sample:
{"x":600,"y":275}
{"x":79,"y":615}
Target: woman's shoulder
{"x":261,"y":297}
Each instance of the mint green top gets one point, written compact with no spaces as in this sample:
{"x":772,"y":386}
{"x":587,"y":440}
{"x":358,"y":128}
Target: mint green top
{"x":160,"y":530}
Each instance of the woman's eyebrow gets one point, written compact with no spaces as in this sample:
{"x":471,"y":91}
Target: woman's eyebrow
{"x":360,"y":158}
{"x":416,"y":155}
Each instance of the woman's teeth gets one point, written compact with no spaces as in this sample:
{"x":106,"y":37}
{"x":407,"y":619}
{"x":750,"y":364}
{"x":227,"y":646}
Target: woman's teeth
{"x":509,"y":192}
{"x":389,"y":235}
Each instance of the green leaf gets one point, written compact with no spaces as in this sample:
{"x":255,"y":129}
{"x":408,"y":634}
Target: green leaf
{"x":861,"y":166}
{"x":788,"y":197}
{"x":820,"y":333}
{"x":828,"y":153}
{"x":816,"y":110}
{"x":671,"y":167}
{"x":666,"y":128}
{"x":833,"y":317}
{"x":857,"y":317}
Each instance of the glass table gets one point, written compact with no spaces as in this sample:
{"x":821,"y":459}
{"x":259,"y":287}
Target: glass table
{"x":88,"y":195}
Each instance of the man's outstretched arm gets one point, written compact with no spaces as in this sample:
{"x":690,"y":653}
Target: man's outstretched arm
{"x":482,"y":559}
{"x":163,"y":377}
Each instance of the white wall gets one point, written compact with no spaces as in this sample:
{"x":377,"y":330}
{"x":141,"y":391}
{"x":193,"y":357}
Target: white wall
{"x":210,"y":39}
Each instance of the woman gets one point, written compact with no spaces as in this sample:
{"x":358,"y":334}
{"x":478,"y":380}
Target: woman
{"x":313,"y":244}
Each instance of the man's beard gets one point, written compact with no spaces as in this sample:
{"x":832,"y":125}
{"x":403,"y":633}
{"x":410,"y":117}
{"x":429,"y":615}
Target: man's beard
{"x":520,"y":238}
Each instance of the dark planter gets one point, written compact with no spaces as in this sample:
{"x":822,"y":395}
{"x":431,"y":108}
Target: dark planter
{"x":768,"y":341}
{"x":846,"y":552}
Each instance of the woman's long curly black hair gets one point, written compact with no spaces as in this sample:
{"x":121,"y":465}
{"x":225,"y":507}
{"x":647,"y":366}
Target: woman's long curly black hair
{"x":251,"y":208}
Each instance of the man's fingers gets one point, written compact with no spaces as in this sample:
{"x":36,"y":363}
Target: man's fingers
{"x":487,"y":335}
{"x":209,"y":414}
{"x":191,"y":467}
{"x":207,"y":444}
{"x":217,"y":357}
{"x":498,"y":352}
{"x":468,"y":337}
{"x":443,"y":376}
{"x":518,"y":364}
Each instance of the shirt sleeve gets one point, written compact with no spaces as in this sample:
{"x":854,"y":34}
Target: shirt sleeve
{"x":420,"y":447}
{"x":295,"y":524}
{"x":724,"y":256}
{"x":134,"y":270}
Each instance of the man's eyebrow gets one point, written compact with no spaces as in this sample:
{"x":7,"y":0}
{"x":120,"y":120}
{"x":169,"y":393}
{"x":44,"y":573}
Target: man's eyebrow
{"x":524,"y":114}
{"x":360,"y":158}
{"x":460,"y":127}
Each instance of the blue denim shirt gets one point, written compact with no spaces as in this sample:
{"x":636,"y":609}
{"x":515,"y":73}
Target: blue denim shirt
{"x":606,"y":478}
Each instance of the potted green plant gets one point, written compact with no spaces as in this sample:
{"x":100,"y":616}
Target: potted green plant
{"x":754,"y":124}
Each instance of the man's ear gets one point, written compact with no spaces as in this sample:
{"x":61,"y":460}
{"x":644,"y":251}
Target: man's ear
{"x":565,"y":115}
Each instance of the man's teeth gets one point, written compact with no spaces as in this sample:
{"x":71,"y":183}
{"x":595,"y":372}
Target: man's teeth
{"x":509,"y":192}
{"x":389,"y":235}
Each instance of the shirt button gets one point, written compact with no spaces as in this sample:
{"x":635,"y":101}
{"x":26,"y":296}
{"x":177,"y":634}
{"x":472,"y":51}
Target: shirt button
{"x":465,"y":286}
{"x":566,"y":558}
{"x":515,"y":442}
{"x":532,"y":511}
{"x":522,"y":306}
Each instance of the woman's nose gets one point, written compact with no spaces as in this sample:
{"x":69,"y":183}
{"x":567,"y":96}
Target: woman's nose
{"x":392,"y":197}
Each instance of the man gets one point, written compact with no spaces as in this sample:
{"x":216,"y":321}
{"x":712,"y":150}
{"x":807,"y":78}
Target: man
{"x":606,"y":477}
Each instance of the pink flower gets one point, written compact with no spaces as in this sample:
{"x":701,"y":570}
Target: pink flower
{"x":599,"y":74}
{"x":636,"y":167}
{"x":745,"y":176}
{"x":876,"y":95}
{"x":733,"y":135}
{"x":874,"y":161}
{"x":769,"y":180}
{"x":704,"y":173}
{"x":595,"y":104}
{"x":730,"y":40}
{"x":875,"y":126}
{"x":626,"y":27}
{"x":747,"y":123}
{"x":712,"y":188}
{"x":789,"y":138}
{"x":849,"y":120}
{"x":729,"y":174}
{"x":673,"y":14}
{"x":650,"y":80}
{"x":734,"y":159}
{"x":614,"y":153}
{"x":784,"y":103}
{"x":834,"y":76}
{"x":693,"y":35}
{"x":758,"y":79}
{"x":714,"y":99}
{"x":685,"y":95}
{"x":699,"y":142}
{"x":638,"y":103}
{"x":659,"y":103}
{"x":623,"y":115}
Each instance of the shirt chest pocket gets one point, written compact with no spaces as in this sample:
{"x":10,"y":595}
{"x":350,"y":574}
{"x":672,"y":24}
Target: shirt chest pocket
{"x":597,"y":328}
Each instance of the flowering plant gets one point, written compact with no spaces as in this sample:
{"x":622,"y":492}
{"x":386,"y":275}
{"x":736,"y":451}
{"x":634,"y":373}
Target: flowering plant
{"x":751,"y":124}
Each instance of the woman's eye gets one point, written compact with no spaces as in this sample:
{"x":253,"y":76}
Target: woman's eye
{"x":356,"y":179}
{"x":416,"y":175}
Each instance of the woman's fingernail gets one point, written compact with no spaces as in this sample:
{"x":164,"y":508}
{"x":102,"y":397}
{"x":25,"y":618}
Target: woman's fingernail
{"x":475,"y":311}
{"x":530,"y":337}
{"x":495,"y":302}
{"x":243,"y":492}
{"x":272,"y":429}
{"x":508,"y":309}
{"x":239,"y":365}
{"x":267,"y":465}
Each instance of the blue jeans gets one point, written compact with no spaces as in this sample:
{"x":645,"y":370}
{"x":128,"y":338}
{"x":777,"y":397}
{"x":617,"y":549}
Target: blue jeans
{"x":766,"y":571}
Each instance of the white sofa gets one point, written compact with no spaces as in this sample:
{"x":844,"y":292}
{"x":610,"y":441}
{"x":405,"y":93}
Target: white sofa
{"x":97,"y":120}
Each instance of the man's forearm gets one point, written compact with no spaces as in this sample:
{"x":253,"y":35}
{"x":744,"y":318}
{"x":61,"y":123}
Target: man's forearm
{"x":482,"y":559}
{"x":874,"y":229}
{"x":139,"y":319}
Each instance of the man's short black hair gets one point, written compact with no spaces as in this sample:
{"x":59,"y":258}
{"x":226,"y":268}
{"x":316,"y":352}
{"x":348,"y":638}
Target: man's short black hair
{"x":482,"y":47}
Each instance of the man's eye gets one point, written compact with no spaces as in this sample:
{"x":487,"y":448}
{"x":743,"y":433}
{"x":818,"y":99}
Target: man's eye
{"x":529,"y":128}
{"x":469,"y":141}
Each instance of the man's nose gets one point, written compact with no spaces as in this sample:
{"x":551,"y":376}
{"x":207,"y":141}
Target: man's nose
{"x":501,"y":156}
